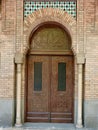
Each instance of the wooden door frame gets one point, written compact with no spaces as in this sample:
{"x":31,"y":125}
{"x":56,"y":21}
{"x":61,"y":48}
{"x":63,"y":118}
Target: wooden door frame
{"x":47,"y":52}
{"x":26,"y":74}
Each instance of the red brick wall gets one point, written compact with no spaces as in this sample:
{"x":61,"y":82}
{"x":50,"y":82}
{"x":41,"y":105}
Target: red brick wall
{"x":15,"y":31}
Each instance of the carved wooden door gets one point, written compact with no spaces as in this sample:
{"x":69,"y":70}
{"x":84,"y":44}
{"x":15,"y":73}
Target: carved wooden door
{"x":38,"y":89}
{"x":50,"y":89}
{"x":62,"y":89}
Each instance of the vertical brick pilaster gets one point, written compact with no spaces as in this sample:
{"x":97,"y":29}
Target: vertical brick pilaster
{"x":19,"y":25}
{"x":96,"y":15}
{"x":80,"y":26}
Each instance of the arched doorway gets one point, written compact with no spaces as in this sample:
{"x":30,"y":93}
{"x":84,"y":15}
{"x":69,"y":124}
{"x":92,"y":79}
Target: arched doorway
{"x":50,"y":76}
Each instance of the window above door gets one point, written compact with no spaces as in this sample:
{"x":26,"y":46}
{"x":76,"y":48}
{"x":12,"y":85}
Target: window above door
{"x":66,"y":5}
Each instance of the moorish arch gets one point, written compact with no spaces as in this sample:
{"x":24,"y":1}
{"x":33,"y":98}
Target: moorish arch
{"x":38,"y":18}
{"x":64,"y":21}
{"x":41,"y":28}
{"x":50,"y":76}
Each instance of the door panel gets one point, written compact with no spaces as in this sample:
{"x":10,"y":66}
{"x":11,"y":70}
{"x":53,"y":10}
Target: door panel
{"x":38,"y":96}
{"x":62,"y":101}
{"x":50,"y":89}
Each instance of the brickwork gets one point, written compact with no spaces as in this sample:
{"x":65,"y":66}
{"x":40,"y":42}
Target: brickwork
{"x":91,"y":67}
{"x":50,"y":14}
{"x":7,"y":67}
{"x":8,"y":13}
{"x":7,"y":49}
{"x":19,"y":25}
{"x":91,"y":47}
{"x":12,"y":31}
{"x":80,"y":26}
{"x":96,"y":16}
{"x":12,"y":35}
{"x":90,"y":15}
{"x":15,"y":31}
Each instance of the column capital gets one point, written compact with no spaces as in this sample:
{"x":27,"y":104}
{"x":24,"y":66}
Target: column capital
{"x":80,"y":58}
{"x":19,"y":58}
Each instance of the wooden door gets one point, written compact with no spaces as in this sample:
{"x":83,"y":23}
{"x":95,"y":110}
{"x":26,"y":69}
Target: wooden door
{"x":62,"y":89}
{"x":38,"y":89}
{"x":50,"y":89}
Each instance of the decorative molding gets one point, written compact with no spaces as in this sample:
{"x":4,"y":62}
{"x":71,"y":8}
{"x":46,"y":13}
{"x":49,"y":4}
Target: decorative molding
{"x":68,"y":6}
{"x":18,"y":58}
{"x":38,"y":18}
{"x":53,"y":52}
{"x":52,"y":38}
{"x":80,"y":58}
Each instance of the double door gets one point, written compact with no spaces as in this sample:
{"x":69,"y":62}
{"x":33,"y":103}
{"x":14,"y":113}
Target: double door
{"x":49,"y":89}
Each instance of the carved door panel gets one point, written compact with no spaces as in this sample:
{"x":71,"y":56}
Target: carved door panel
{"x":62,"y":89}
{"x":50,"y":89}
{"x":38,"y":89}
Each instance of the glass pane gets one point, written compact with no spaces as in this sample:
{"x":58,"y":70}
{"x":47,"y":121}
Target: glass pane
{"x":61,"y":76}
{"x":37,"y":76}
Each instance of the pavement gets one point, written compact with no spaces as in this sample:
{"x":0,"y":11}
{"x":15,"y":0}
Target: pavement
{"x":46,"y":126}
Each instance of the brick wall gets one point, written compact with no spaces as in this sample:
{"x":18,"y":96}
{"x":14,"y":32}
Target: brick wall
{"x":15,"y":31}
{"x":91,"y":50}
{"x":7,"y":48}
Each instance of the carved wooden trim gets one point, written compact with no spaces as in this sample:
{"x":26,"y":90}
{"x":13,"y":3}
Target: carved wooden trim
{"x":48,"y":52}
{"x":50,"y":38}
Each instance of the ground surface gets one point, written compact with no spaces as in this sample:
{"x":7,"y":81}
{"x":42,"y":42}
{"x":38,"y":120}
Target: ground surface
{"x":46,"y":126}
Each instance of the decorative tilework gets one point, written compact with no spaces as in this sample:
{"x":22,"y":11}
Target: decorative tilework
{"x":31,"y":6}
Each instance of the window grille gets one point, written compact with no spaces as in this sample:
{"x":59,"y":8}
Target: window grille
{"x":67,"y":5}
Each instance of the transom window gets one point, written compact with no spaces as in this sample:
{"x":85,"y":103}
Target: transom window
{"x":66,"y":5}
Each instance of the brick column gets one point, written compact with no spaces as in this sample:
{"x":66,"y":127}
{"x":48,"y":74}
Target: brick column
{"x":18,"y":61}
{"x":80,"y":62}
{"x":96,"y":20}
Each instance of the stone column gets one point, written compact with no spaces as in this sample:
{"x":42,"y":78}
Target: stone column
{"x":80,"y":62}
{"x":18,"y":61}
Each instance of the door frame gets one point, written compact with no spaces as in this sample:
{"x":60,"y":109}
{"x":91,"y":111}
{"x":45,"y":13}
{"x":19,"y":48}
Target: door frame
{"x":47,"y":52}
{"x":51,"y":53}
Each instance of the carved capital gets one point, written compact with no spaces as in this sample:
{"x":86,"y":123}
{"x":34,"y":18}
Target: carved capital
{"x":80,"y":58}
{"x":18,"y":58}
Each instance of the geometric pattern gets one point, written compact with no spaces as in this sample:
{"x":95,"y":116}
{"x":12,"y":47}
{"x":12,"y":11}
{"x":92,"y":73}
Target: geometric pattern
{"x":68,"y":6}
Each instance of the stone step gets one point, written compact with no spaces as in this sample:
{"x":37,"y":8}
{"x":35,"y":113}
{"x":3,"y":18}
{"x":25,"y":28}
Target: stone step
{"x":47,"y":129}
{"x":46,"y":126}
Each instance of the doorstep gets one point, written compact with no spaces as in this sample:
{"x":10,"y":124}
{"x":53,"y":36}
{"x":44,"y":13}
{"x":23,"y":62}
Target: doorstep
{"x":46,"y":126}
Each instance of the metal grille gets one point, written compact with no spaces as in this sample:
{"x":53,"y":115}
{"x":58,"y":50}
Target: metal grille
{"x":31,"y":6}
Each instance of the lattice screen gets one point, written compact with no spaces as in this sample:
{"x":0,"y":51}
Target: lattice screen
{"x":31,"y":6}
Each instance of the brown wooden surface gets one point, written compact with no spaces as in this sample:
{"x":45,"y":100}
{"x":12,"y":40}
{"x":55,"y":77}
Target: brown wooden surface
{"x":50,"y":105}
{"x":48,"y":52}
{"x":49,"y":38}
{"x":61,"y":101}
